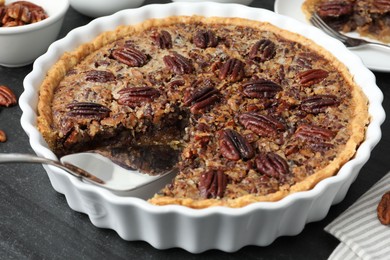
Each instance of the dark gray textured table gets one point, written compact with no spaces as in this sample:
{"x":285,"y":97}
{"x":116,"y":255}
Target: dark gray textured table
{"x":36,"y":222}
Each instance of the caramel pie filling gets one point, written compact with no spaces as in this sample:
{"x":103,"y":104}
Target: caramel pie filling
{"x":247,"y":112}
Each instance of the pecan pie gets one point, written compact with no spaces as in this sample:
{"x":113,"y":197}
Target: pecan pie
{"x":247,"y":111}
{"x":370,"y":18}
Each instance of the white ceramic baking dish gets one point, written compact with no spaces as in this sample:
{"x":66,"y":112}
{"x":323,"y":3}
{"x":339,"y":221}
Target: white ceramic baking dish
{"x":221,"y":228}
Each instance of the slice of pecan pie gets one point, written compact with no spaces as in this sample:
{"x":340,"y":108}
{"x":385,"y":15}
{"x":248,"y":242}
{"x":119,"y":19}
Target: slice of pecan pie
{"x":370,"y":18}
{"x":247,"y":112}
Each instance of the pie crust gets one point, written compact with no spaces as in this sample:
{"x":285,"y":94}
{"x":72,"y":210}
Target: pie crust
{"x":253,"y":112}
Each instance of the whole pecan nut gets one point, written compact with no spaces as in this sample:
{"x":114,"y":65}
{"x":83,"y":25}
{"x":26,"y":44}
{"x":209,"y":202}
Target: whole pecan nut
{"x":312,"y":76}
{"x":130,"y":56}
{"x":335,"y":8}
{"x":383,"y":209}
{"x":163,"y":40}
{"x":178,"y":64}
{"x":313,"y":133}
{"x":213,"y":184}
{"x":272,"y":165}
{"x":134,"y":96}
{"x":3,"y":136}
{"x":88,"y":110}
{"x":232,"y":70}
{"x":7,"y":96}
{"x":261,"y":125}
{"x":203,"y":97}
{"x":234,"y":146}
{"x":319,"y":103}
{"x":100,"y":76}
{"x":383,"y":5}
{"x":262,"y":50}
{"x":205,"y":38}
{"x":261,"y":88}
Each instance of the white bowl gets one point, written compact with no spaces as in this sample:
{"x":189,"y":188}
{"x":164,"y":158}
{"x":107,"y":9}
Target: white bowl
{"x":227,"y":229}
{"x":21,"y":45}
{"x":96,"y":8}
{"x":243,"y":2}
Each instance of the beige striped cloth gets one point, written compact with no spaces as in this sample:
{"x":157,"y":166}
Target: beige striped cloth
{"x":361,"y":234}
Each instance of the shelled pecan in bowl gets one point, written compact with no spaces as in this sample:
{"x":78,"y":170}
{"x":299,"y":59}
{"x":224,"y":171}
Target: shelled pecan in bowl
{"x":20,"y":13}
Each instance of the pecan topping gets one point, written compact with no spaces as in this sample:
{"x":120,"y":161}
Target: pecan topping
{"x":311,"y":77}
{"x":272,"y":165}
{"x":261,"y":88}
{"x":87,"y":110}
{"x":313,"y":134}
{"x":232,"y":70}
{"x":134,"y":96}
{"x":320,"y":146}
{"x":205,"y":38}
{"x":7,"y":97}
{"x":21,"y":13}
{"x":202,"y":98}
{"x":262,"y":50}
{"x":213,"y":184}
{"x":383,"y":209}
{"x":335,"y":8}
{"x":100,"y":76}
{"x":318,"y":103}
{"x":233,"y":146}
{"x":178,"y":64}
{"x":163,"y":40}
{"x":130,"y":56}
{"x":3,"y":136}
{"x":261,"y":124}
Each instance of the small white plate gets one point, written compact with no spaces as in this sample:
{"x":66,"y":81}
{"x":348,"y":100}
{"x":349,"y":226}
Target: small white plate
{"x":374,"y":58}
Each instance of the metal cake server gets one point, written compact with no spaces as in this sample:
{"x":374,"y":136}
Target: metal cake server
{"x":106,"y":174}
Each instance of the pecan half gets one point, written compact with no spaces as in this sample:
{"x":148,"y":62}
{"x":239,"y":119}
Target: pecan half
{"x":2,"y":14}
{"x":134,"y":96}
{"x":100,"y":76}
{"x":261,"y":88}
{"x":87,"y":110}
{"x":383,"y":5}
{"x":7,"y":97}
{"x":178,"y":64}
{"x":335,"y":8}
{"x":383,"y":209}
{"x":213,"y":184}
{"x":272,"y":165}
{"x":311,"y":77}
{"x":3,"y":136}
{"x":203,"y":97}
{"x":205,"y":38}
{"x":313,"y":133}
{"x":262,"y":50}
{"x":319,"y":103}
{"x":232,"y":70}
{"x":260,"y":124}
{"x":130,"y":56}
{"x":163,"y":40}
{"x":234,"y":146}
